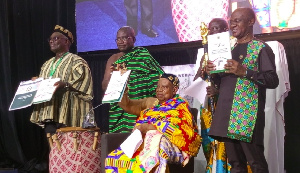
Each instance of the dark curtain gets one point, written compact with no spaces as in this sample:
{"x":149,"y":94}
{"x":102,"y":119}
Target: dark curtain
{"x":25,"y":26}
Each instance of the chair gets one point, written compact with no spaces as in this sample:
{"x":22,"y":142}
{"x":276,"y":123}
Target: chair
{"x":112,"y":141}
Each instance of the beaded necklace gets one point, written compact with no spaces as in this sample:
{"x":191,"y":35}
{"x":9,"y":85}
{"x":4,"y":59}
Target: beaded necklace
{"x":52,"y":70}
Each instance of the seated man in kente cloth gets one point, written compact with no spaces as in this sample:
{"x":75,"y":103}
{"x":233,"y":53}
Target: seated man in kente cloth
{"x":168,"y":129}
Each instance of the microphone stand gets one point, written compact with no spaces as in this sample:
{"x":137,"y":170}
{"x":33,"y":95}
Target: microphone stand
{"x":89,"y":118}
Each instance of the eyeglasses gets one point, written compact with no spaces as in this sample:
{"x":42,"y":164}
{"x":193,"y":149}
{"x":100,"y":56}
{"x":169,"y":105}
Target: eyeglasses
{"x":124,"y":39}
{"x":55,"y":38}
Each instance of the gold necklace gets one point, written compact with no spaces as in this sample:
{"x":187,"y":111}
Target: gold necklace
{"x":243,"y":41}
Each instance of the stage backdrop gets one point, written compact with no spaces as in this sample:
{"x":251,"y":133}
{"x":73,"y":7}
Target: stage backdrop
{"x":97,"y":21}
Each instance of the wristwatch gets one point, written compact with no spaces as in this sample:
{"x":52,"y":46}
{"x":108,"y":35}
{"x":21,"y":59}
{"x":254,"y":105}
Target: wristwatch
{"x":245,"y":74}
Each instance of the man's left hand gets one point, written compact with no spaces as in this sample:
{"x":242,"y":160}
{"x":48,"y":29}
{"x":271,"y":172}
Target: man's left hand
{"x":60,"y":84}
{"x":234,"y":67}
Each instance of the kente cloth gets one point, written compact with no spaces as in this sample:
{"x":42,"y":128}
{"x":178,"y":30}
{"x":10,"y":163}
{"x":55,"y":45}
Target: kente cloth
{"x":214,"y":151}
{"x":212,"y":147}
{"x":66,"y":106}
{"x":70,"y":160}
{"x":145,"y":72}
{"x":245,"y":103}
{"x":154,"y":155}
{"x":263,"y":77}
{"x":174,"y":119}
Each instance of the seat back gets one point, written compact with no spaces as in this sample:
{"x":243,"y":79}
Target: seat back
{"x":110,"y":142}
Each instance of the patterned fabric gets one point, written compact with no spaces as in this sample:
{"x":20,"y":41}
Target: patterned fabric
{"x":156,"y":153}
{"x":65,"y":32}
{"x":174,"y":120}
{"x":243,"y":116}
{"x":169,"y":153}
{"x":118,"y":162}
{"x":144,"y":159}
{"x":67,"y":107}
{"x":174,"y":123}
{"x":145,"y":72}
{"x":211,"y":146}
{"x":172,"y":78}
{"x":67,"y":160}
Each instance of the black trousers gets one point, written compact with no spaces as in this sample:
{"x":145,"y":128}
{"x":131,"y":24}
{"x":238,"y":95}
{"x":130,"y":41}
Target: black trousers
{"x":239,"y":153}
{"x":146,"y":13}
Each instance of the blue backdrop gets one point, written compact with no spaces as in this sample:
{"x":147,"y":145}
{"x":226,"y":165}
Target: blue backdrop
{"x":97,"y":22}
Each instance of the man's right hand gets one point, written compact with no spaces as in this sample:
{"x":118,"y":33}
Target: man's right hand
{"x":112,"y":68}
{"x":210,"y":66}
{"x":122,"y":68}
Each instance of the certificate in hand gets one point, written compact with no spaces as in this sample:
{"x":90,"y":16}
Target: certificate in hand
{"x":33,"y":92}
{"x":132,"y":143}
{"x":45,"y":91}
{"x":219,"y":50}
{"x":116,"y":87}
{"x":25,"y":94}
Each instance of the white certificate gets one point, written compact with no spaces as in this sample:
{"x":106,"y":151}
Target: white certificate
{"x":33,"y":92}
{"x":132,"y":143}
{"x":219,"y":50}
{"x":45,"y":91}
{"x":116,"y":87}
{"x":25,"y":94}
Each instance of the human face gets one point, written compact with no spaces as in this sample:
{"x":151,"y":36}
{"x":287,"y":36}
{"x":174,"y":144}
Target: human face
{"x":240,"y":25}
{"x":58,"y":42}
{"x":216,"y":27}
{"x":124,"y":41}
{"x":165,"y":90}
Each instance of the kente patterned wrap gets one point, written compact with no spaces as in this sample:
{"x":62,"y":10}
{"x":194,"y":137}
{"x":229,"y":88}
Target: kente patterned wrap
{"x":174,"y":119}
{"x":212,"y":147}
{"x":245,"y":101}
{"x":176,"y":132}
{"x":145,"y":72}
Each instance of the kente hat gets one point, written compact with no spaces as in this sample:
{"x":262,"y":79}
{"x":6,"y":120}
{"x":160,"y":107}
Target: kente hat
{"x":172,"y":78}
{"x":65,"y":32}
